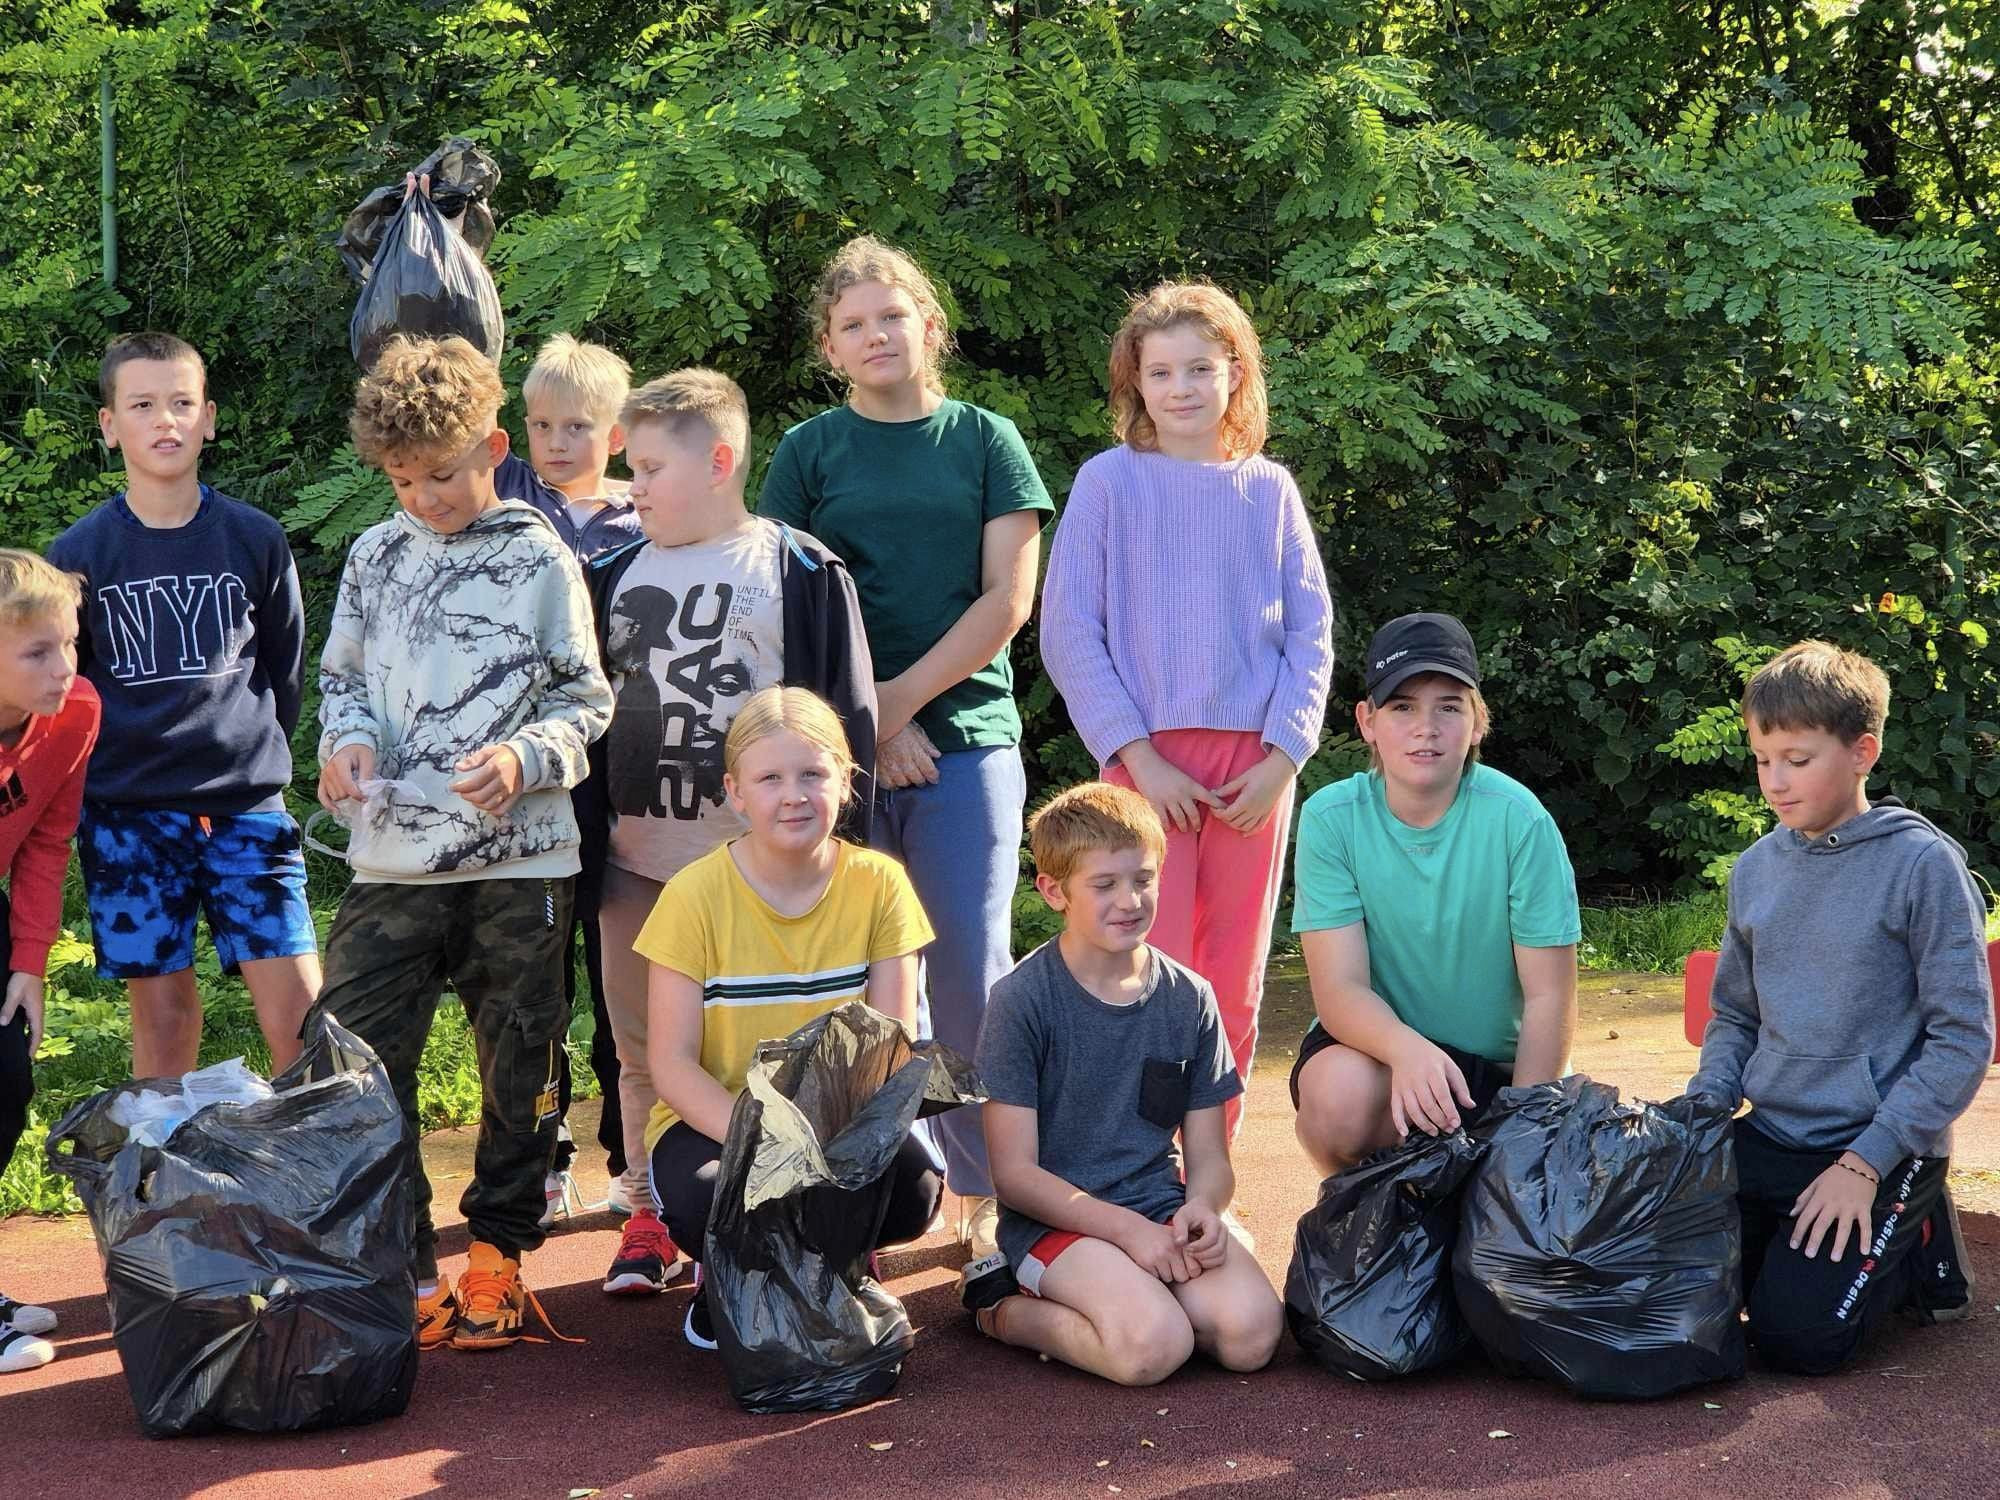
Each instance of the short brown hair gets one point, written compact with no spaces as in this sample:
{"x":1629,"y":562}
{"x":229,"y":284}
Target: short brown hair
{"x":1095,"y":815}
{"x":32,"y":588}
{"x":865,"y":258}
{"x":1817,"y":685}
{"x":425,"y":398}
{"x":694,"y":398}
{"x":148,"y":345}
{"x":1217,"y":317}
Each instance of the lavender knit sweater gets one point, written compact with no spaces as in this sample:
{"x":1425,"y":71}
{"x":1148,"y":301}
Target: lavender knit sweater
{"x":1185,"y":595}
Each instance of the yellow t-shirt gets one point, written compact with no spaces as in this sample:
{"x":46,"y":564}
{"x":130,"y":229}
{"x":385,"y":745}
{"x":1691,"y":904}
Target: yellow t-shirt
{"x":763,"y":974}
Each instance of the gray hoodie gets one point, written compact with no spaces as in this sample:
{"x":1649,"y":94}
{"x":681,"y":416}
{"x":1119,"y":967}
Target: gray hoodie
{"x":1852,"y":1004}
{"x":442,"y":644}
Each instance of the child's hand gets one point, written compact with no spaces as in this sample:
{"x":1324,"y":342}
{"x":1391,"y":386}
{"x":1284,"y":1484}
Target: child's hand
{"x":907,"y":758}
{"x":341,"y":777}
{"x":1425,"y":1089}
{"x":24,"y":997}
{"x":1207,"y":1240}
{"x":1160,"y":1249}
{"x":1839,"y":1198}
{"x":492,"y":782}
{"x":1252,"y":796}
{"x":1176,"y":796}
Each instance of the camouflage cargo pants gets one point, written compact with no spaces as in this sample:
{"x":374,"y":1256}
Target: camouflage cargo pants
{"x":500,"y":945}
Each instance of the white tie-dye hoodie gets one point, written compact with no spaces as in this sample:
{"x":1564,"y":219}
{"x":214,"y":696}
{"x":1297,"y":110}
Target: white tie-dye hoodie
{"x":441,"y":645}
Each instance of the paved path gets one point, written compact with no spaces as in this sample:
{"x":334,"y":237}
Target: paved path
{"x":637,"y":1413}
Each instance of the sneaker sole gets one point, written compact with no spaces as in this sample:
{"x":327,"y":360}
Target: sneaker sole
{"x":35,"y":1320}
{"x":479,"y":1341}
{"x":24,"y":1351}
{"x":688,"y":1333}
{"x":635,"y":1284}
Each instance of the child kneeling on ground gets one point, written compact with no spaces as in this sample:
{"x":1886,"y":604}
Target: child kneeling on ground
{"x":461,"y":689}
{"x":756,"y":938}
{"x":1853,"y":1008}
{"x":1096,"y":1050}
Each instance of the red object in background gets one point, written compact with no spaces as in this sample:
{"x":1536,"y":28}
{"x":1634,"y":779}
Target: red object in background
{"x":1700,"y":979}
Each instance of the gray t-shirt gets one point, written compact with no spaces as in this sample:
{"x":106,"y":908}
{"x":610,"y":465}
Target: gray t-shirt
{"x":1109,"y":1084}
{"x":691,"y":632}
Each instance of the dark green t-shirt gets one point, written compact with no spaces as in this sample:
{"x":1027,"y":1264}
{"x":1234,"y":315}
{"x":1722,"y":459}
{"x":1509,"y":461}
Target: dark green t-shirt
{"x":905,"y":504}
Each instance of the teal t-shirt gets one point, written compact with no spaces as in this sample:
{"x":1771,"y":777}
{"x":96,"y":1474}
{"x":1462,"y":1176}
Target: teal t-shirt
{"x":905,"y":504}
{"x":1445,"y":905}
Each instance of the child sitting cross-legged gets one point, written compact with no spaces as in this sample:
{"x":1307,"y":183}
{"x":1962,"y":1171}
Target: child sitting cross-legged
{"x":1097,"y":1049}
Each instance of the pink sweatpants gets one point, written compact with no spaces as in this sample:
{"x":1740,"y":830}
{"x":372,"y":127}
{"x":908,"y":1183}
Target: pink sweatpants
{"x":1219,"y":889}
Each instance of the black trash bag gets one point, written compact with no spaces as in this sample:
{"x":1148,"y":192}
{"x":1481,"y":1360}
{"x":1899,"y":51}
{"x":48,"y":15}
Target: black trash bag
{"x":1601,"y":1245}
{"x":425,"y":281}
{"x":800,"y":1196}
{"x":1369,"y":1289}
{"x":463,"y":178}
{"x":259,"y":1264}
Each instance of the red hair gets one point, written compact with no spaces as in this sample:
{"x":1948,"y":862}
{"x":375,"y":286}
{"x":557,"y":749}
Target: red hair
{"x":1216,"y":315}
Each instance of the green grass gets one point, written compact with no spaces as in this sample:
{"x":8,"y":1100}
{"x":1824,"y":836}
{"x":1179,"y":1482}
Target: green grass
{"x":1650,"y":937}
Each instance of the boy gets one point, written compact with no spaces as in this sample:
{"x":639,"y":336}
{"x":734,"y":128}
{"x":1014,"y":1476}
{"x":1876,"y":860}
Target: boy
{"x":459,"y":663}
{"x":48,"y":722}
{"x":1096,"y":1050}
{"x":1437,"y":910}
{"x":712,"y":606}
{"x":573,"y":394}
{"x":1853,"y":1008}
{"x":194,"y":637}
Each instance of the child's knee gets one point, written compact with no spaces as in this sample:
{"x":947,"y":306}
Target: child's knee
{"x":1334,"y":1132}
{"x":1247,"y":1338}
{"x":1145,"y":1351}
{"x":1816,"y":1348}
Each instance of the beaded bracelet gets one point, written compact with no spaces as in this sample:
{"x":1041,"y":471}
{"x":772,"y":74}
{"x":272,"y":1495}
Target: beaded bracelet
{"x":1864,"y":1176}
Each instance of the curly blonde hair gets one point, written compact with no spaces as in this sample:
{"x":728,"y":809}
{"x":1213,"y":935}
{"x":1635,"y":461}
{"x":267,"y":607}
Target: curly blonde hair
{"x":865,"y":258}
{"x":425,"y":399}
{"x":1217,"y":316}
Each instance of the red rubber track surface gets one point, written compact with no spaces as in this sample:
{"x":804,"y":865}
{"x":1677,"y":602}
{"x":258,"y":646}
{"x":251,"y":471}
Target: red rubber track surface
{"x":636,"y":1412}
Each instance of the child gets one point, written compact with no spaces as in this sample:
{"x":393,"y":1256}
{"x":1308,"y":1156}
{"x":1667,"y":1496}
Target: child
{"x":193,"y":635}
{"x":1437,"y":909}
{"x":573,"y":394}
{"x":715,"y":605}
{"x":459,"y":665}
{"x":1853,"y":1008}
{"x":1097,"y":1049}
{"x":1208,"y":712}
{"x":937,"y":508}
{"x":758,"y":936}
{"x":48,"y":722}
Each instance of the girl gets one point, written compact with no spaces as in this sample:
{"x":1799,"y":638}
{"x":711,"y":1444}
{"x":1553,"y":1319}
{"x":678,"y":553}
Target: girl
{"x":1187,"y":625}
{"x":937,"y":510}
{"x":837,"y":921}
{"x":1437,"y":910}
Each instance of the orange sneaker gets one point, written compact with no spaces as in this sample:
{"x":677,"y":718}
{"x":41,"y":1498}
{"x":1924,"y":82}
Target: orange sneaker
{"x":493,"y":1303}
{"x":437,"y":1316}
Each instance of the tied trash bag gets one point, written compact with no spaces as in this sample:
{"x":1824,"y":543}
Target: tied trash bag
{"x":425,"y":280}
{"x":800,"y":1196}
{"x":462,"y":178}
{"x":1369,"y":1290}
{"x":1601,"y":1246}
{"x":258,"y":1263}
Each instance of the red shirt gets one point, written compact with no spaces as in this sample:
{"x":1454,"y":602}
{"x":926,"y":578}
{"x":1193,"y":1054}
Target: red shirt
{"x":41,"y":793}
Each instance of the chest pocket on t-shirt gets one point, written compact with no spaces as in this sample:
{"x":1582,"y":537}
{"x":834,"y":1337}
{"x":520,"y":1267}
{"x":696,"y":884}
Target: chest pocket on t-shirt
{"x":1163,"y":1092}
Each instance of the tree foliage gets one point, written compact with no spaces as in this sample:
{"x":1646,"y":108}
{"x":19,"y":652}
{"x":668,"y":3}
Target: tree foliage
{"x":1647,"y":338}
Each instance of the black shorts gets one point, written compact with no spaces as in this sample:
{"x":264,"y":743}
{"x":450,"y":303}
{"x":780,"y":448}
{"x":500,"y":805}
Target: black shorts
{"x":1483,"y":1075}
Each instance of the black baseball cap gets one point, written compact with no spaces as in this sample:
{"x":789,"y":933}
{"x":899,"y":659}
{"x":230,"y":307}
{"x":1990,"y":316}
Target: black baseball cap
{"x":1410,"y":644}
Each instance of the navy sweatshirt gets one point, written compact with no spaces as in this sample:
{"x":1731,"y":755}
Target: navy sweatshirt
{"x":194,"y":637}
{"x":613,"y":526}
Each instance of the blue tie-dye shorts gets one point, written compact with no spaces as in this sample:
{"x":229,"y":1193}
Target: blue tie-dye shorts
{"x":149,"y":873}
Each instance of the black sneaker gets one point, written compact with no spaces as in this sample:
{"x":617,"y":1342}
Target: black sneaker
{"x":985,"y":1282}
{"x":1944,"y":1271}
{"x":699,"y":1329}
